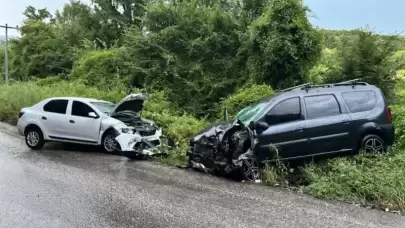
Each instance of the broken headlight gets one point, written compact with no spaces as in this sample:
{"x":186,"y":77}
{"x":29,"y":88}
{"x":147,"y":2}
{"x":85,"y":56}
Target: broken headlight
{"x":125,"y":130}
{"x":122,"y":128}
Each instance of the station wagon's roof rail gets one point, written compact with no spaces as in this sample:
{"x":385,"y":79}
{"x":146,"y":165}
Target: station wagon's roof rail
{"x":298,"y":86}
{"x":353,"y":82}
{"x":308,"y":86}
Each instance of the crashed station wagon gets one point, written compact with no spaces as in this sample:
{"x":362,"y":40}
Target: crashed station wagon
{"x":115,"y":127}
{"x":303,"y":121}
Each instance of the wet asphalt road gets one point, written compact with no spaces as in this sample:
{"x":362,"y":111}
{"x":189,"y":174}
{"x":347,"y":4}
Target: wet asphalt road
{"x":62,"y":187}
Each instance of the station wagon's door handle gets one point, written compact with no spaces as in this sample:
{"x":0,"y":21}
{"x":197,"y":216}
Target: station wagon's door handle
{"x":71,"y":121}
{"x":345,"y":121}
{"x":300,"y":129}
{"x":44,"y":118}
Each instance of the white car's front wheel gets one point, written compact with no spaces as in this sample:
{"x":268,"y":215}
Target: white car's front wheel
{"x":109,"y":144}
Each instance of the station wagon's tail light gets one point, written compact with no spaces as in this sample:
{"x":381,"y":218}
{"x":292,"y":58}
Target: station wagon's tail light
{"x":21,"y":114}
{"x":389,"y":115}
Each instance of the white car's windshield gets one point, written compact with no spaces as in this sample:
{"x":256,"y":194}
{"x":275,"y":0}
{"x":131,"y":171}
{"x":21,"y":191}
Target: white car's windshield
{"x":104,"y":107}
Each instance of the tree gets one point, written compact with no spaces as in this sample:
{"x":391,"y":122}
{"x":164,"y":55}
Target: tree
{"x":116,"y":15}
{"x":367,"y":56}
{"x":282,"y":45}
{"x":41,"y":51}
{"x":189,"y":51}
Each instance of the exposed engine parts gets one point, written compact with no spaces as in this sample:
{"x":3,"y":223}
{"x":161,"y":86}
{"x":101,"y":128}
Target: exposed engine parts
{"x":225,"y":148}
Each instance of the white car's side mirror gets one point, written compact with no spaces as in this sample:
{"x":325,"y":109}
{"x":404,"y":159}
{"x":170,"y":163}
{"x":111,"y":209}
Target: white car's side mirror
{"x":93,"y":115}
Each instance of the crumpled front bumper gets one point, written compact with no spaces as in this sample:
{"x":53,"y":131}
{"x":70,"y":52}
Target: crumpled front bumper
{"x":130,"y":143}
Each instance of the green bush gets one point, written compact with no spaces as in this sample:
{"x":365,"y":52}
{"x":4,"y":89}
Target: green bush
{"x":244,"y":97}
{"x":104,"y":69}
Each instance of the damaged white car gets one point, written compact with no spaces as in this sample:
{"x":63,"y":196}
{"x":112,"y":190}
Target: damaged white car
{"x":115,"y":127}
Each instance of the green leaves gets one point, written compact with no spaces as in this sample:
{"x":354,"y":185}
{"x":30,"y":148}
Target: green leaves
{"x":282,"y":44}
{"x":190,"y":53}
{"x":366,"y":55}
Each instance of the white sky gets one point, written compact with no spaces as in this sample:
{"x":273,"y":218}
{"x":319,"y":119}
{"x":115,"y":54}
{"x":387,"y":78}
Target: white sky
{"x":11,"y":11}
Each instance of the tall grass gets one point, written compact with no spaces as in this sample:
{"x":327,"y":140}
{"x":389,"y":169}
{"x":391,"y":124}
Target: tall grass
{"x":18,"y":95}
{"x":364,"y":179}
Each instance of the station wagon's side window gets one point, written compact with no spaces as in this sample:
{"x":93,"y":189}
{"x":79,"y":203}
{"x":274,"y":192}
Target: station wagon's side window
{"x":286,"y":111}
{"x":321,"y":106}
{"x":56,"y":106}
{"x":81,"y":109}
{"x":360,"y":101}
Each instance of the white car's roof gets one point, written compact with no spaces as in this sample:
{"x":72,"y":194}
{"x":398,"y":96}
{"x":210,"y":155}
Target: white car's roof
{"x":84,"y":99}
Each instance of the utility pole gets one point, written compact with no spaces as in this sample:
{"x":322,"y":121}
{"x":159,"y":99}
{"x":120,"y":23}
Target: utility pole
{"x":6,"y":50}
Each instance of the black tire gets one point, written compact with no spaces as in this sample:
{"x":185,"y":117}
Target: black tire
{"x":373,"y":144}
{"x":108,"y":138}
{"x":250,"y":170}
{"x":34,"y":138}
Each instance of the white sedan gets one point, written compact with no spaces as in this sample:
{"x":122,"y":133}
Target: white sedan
{"x":115,"y":127}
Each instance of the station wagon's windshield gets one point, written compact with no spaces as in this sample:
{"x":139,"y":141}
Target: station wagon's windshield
{"x":104,"y":107}
{"x":251,"y":112}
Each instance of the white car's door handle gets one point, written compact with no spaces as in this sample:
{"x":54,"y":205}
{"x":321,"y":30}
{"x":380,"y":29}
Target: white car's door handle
{"x":71,"y":121}
{"x":44,"y":118}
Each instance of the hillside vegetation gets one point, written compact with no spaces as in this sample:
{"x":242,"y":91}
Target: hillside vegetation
{"x":196,"y":58}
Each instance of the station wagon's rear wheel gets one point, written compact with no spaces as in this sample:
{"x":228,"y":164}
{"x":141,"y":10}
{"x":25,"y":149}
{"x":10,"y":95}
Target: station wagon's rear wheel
{"x":109,"y":144}
{"x":34,"y":138}
{"x":373,"y":144}
{"x":250,"y":169}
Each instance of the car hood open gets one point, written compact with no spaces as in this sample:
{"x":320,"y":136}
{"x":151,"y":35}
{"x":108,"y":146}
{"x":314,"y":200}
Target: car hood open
{"x":133,"y":103}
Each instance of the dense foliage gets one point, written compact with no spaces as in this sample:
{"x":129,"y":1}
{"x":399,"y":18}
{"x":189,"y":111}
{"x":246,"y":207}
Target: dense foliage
{"x":198,"y":58}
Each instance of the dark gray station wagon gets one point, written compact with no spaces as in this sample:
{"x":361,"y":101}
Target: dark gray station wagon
{"x":302,"y":121}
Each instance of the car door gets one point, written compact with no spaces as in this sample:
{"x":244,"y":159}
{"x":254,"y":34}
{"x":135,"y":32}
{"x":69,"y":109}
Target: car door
{"x":53,"y":117}
{"x":84,"y":127}
{"x":327,"y":127}
{"x":285,"y":132}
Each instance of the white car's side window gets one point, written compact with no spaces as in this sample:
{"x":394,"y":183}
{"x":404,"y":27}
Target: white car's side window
{"x":56,"y":106}
{"x":81,"y":109}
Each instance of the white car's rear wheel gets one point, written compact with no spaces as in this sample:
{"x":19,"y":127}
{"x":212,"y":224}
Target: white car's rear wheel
{"x":34,"y":138}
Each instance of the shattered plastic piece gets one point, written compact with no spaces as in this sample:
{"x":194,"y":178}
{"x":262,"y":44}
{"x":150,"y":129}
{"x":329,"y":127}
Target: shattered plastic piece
{"x":138,"y":144}
{"x":199,"y":166}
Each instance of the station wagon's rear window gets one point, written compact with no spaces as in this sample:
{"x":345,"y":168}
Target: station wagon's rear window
{"x":360,"y":101}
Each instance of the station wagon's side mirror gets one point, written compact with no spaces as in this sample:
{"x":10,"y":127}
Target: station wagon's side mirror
{"x":93,"y":115}
{"x":260,"y":127}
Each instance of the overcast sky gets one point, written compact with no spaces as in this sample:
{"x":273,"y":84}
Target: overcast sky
{"x":383,"y":16}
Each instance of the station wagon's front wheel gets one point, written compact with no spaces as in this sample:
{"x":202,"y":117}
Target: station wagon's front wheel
{"x":34,"y":138}
{"x":373,"y":144}
{"x":250,"y":169}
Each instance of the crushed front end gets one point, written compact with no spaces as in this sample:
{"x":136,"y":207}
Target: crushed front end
{"x":225,"y":148}
{"x":143,"y":137}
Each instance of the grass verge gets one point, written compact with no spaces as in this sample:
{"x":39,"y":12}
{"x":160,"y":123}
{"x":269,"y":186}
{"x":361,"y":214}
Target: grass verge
{"x":366,"y":179}
{"x":372,"y":180}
